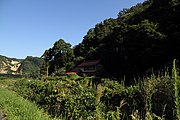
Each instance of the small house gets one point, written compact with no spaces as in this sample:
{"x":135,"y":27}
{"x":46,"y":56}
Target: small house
{"x":90,"y":67}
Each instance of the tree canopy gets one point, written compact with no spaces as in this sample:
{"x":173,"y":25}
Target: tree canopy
{"x":143,"y":37}
{"x":30,"y":66}
{"x":59,"y":57}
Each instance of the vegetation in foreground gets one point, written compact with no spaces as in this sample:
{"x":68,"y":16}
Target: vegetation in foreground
{"x":15,"y":107}
{"x":96,"y":98}
{"x":69,"y":97}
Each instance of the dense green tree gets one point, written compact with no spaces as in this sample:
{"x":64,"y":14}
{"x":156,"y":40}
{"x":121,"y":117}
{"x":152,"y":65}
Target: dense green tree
{"x":47,"y":57}
{"x":143,"y":37}
{"x":94,"y":39}
{"x":61,"y":55}
{"x":30,"y":66}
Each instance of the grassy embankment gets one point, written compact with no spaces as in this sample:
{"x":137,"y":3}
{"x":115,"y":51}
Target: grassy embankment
{"x":14,"y":107}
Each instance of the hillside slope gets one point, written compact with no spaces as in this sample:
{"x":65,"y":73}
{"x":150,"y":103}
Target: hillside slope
{"x":9,"y":65}
{"x":30,"y":66}
{"x":141,"y":39}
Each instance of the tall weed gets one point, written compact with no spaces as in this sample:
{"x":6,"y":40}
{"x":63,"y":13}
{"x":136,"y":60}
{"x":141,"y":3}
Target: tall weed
{"x":176,"y":90}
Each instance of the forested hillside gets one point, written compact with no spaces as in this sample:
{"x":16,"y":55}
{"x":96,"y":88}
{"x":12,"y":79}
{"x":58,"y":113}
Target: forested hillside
{"x":140,"y":40}
{"x":30,"y":66}
{"x":143,"y":37}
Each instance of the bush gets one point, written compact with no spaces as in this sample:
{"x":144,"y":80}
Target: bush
{"x":90,"y":97}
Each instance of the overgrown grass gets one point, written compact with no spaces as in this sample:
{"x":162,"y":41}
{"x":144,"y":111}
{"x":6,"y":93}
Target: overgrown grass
{"x":7,"y":83}
{"x":17,"y":108}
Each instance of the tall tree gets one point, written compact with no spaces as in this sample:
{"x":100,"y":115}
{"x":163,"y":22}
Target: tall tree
{"x":60,"y":56}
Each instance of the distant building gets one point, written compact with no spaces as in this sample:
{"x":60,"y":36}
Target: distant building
{"x":90,"y":67}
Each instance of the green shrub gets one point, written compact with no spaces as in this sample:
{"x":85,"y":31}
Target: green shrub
{"x":91,"y":98}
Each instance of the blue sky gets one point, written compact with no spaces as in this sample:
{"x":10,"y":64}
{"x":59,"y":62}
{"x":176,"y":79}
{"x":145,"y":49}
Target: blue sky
{"x":29,"y":27}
